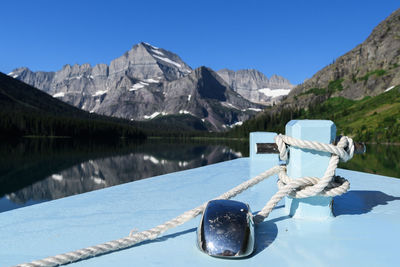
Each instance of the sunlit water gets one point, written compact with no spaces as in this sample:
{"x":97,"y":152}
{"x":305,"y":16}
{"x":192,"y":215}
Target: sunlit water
{"x":38,"y":170}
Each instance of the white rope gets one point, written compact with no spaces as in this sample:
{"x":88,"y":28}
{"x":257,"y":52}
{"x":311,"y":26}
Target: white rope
{"x":345,"y":142}
{"x":328,"y":185}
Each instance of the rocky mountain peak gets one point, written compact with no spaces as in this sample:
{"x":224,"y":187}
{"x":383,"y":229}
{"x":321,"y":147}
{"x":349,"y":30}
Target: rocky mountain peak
{"x":145,"y":61}
{"x":18,"y":72}
{"x":279,"y":82}
{"x":39,"y":79}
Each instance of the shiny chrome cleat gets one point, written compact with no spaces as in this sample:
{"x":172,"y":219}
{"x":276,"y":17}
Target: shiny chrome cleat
{"x":226,"y":229}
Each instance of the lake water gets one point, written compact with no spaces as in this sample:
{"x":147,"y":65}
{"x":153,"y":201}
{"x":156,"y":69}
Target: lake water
{"x":38,"y":170}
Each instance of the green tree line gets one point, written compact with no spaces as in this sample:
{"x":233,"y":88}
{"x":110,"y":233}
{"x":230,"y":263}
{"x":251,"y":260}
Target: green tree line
{"x":19,"y":123}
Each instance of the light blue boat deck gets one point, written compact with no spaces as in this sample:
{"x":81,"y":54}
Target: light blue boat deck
{"x":364,"y":232}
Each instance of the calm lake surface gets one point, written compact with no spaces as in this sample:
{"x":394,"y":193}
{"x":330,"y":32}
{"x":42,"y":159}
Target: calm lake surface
{"x":38,"y":170}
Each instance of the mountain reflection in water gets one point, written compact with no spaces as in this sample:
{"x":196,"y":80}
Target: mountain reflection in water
{"x":37,"y":170}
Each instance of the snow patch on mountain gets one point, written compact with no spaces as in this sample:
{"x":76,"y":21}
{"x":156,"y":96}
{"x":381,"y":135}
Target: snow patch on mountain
{"x":12,"y":74}
{"x":237,"y":123}
{"x":253,"y":109}
{"x":155,"y":114}
{"x":390,"y":88}
{"x":229,"y":105}
{"x":274,"y":92}
{"x":154,"y":47}
{"x":60,"y":94}
{"x":99,"y":93}
{"x":168,"y":61}
{"x":151,"y":80}
{"x":184,"y":112}
{"x":138,"y":86}
{"x":157,"y":52}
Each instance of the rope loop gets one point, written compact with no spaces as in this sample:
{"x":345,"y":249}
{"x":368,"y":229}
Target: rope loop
{"x":329,"y":185}
{"x":344,"y":149}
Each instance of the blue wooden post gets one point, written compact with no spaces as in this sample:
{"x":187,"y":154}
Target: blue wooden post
{"x":261,"y":162}
{"x":304,"y":162}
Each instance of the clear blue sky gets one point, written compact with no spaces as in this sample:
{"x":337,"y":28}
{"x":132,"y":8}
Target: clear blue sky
{"x":290,"y":38}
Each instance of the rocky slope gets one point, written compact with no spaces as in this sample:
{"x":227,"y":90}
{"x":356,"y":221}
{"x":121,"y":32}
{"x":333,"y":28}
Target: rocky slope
{"x":369,"y":69}
{"x":255,"y":86}
{"x":145,"y":83}
{"x":202,"y":94}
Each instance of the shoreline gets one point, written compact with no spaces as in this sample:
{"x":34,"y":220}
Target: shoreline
{"x":202,"y":138}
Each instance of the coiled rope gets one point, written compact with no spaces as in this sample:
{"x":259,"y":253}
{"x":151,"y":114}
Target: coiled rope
{"x":328,"y":185}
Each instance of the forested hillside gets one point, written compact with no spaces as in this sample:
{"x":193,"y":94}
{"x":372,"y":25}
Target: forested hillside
{"x":28,"y":111}
{"x":372,"y":119}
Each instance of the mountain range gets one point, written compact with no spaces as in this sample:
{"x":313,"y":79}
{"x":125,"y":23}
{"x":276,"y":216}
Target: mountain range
{"x":148,"y":83}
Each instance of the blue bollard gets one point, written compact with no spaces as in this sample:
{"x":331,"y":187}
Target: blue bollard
{"x":305,"y":162}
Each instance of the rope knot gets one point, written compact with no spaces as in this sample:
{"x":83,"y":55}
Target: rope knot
{"x":329,"y":185}
{"x":346,"y":144}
